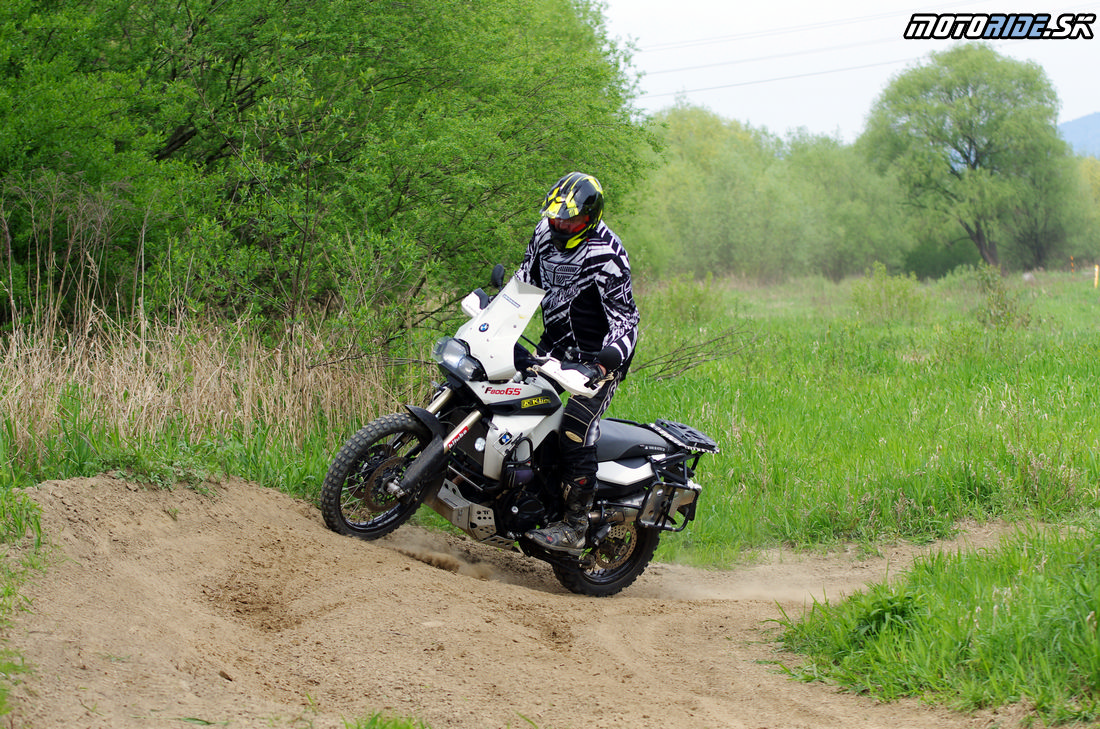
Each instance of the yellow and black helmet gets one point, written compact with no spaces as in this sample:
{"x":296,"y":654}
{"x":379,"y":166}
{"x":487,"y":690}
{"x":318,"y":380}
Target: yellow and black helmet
{"x":573,"y":207}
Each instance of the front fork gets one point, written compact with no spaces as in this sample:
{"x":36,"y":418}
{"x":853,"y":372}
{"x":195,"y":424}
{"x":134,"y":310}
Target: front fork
{"x":431,"y":460}
{"x":442,"y":398}
{"x":450,"y":440}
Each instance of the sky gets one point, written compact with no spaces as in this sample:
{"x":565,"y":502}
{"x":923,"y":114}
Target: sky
{"x":789,"y":64}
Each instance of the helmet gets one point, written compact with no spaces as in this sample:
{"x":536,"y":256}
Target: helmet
{"x":573,"y":207}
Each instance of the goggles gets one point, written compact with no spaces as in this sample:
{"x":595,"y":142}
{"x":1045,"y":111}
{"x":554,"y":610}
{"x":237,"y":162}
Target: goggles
{"x":569,"y":225}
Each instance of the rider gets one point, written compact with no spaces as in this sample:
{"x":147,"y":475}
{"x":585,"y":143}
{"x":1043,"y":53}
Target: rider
{"x":588,"y":311}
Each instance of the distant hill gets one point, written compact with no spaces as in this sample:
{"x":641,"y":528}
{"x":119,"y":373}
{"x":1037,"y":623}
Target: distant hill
{"x":1083,"y":134}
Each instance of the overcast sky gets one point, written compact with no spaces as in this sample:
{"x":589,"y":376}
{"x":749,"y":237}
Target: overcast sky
{"x":785,"y":64}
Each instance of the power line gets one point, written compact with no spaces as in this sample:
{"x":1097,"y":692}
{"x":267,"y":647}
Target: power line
{"x":680,"y":45}
{"x":772,"y":57}
{"x":807,"y":74}
{"x":905,"y":14}
{"x":779,"y":78}
{"x":684,"y":44}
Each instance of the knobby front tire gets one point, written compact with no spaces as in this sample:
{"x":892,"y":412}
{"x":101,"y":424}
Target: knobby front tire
{"x":354,"y":497}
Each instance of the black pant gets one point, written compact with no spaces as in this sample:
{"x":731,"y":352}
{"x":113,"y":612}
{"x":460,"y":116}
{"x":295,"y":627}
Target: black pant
{"x":580,"y":428}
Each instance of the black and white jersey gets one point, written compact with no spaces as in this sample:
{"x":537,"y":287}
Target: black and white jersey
{"x":589,"y":300}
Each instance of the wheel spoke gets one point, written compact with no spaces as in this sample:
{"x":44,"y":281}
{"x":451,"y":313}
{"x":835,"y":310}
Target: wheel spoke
{"x":358,"y":496}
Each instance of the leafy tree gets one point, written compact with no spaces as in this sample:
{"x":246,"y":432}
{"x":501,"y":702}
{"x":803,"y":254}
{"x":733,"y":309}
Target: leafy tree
{"x":719,"y":202}
{"x":1050,"y":213}
{"x":661,"y":221}
{"x":854,"y":210}
{"x":81,"y":197}
{"x":728,"y":199}
{"x":430,"y":129}
{"x":967,"y":135}
{"x":1090,"y":173}
{"x":291,"y":153}
{"x":934,"y":256}
{"x":1085,"y":246}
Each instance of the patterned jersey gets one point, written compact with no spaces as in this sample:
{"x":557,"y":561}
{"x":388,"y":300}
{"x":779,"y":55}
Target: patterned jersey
{"x":589,"y":300}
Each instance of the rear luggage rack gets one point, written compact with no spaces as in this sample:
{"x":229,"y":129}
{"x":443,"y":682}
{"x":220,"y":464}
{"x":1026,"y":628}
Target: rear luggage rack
{"x":685,"y":436}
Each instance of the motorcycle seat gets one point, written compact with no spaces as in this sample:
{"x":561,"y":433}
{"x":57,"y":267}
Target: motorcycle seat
{"x":621,"y":439}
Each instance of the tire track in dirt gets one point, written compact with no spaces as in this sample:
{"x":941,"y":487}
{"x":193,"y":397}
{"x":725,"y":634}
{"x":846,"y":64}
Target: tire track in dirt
{"x":167,"y":608}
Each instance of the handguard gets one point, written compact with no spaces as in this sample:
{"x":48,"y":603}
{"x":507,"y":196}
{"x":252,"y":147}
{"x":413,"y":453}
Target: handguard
{"x":575,"y":382}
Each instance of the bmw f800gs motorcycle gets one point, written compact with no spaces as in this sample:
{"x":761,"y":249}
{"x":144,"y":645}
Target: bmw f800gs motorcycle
{"x":483,"y":454}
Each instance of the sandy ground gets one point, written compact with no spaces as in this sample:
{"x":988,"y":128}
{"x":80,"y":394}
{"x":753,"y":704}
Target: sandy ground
{"x":239,"y":609}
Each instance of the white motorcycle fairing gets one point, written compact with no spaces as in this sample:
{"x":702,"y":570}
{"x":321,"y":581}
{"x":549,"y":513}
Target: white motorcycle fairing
{"x":492,"y":332}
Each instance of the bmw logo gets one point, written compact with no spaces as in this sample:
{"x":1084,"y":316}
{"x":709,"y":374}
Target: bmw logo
{"x":483,"y":328}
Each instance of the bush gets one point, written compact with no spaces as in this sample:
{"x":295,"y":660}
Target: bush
{"x":1001,"y":309}
{"x":880,"y":297}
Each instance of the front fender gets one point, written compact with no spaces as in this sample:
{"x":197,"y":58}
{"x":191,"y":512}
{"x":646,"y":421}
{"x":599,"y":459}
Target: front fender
{"x":430,"y":421}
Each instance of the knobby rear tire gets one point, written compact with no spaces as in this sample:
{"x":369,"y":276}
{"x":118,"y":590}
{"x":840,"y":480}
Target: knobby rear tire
{"x":354,"y":499}
{"x":637,"y":544}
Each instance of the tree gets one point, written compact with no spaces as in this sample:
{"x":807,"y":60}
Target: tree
{"x":1086,"y":245}
{"x":854,"y":210}
{"x":718,"y":202}
{"x":81,"y":196}
{"x":429,"y":127}
{"x":297,"y":152}
{"x":1051,"y":211}
{"x":966,"y":135}
{"x":728,"y":199}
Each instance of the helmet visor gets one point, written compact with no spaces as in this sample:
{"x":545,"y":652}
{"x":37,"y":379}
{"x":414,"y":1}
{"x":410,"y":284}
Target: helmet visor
{"x":568,"y":226}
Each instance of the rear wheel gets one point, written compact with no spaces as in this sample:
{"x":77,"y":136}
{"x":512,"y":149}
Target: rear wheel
{"x":357,"y":496}
{"x":613,"y":565}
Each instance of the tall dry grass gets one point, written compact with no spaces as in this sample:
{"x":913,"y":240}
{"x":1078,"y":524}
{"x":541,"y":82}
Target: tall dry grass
{"x":148,"y":380}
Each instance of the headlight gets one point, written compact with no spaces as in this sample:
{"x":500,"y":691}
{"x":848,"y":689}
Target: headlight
{"x":454,"y":356}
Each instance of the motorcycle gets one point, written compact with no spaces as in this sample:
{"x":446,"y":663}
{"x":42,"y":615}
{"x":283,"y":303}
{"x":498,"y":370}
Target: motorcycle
{"x":483,"y":453}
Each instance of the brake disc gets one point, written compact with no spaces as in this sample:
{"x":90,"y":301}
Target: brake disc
{"x":616,"y":547}
{"x":372,"y":488}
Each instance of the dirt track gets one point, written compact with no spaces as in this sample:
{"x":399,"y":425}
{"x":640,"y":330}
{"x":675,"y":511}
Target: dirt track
{"x":172,"y":609}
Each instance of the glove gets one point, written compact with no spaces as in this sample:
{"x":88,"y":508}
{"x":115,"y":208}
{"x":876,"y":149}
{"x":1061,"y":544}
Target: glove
{"x":610,"y":358}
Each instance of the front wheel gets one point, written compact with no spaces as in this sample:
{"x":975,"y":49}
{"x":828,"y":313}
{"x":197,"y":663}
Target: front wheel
{"x":357,"y":496}
{"x":613,"y":565}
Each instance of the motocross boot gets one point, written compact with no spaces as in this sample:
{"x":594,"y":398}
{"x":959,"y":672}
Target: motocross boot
{"x":571,"y":533}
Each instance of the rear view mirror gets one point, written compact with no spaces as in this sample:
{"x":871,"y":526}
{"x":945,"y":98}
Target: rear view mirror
{"x":497,"y":278}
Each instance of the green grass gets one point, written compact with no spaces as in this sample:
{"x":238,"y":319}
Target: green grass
{"x":24,"y":552}
{"x":380,"y":721}
{"x":971,"y":630}
{"x":849,"y":416}
{"x":867,"y":411}
{"x":837,"y":424}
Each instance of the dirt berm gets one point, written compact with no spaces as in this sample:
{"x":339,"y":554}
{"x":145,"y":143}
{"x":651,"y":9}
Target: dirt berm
{"x":239,"y":609}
